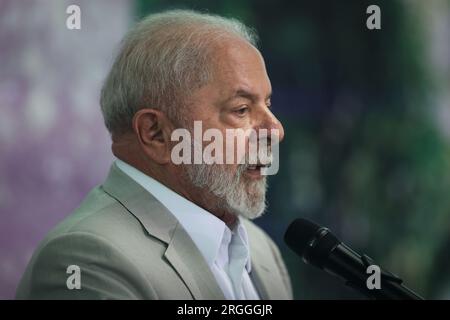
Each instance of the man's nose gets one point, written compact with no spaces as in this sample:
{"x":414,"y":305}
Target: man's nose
{"x":270,"y":122}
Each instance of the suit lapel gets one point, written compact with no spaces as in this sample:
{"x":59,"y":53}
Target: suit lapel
{"x":192,"y":267}
{"x":264,"y":273}
{"x":181,"y":252}
{"x":264,"y":281}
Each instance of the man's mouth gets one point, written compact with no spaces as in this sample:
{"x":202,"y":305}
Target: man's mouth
{"x":254,"y":171}
{"x":257,"y":166}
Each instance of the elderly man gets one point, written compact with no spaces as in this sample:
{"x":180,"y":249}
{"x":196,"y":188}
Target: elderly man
{"x":160,"y":230}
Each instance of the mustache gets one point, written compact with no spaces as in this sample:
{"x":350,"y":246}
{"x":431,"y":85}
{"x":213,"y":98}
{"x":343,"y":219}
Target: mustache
{"x":257,"y":159}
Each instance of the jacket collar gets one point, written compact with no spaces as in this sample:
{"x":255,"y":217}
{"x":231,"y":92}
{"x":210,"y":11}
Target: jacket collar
{"x":181,"y":251}
{"x":157,"y":220}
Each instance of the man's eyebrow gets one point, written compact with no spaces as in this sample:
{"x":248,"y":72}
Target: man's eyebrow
{"x":243,"y":93}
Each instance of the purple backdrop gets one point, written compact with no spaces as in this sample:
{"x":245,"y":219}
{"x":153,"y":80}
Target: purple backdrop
{"x":53,"y":145}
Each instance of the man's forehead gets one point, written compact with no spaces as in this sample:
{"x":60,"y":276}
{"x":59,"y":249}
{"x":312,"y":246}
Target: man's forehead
{"x":240,"y":71}
{"x":237,"y":54}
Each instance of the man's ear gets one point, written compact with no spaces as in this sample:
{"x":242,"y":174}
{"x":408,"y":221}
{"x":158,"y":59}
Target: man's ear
{"x":153,"y":130}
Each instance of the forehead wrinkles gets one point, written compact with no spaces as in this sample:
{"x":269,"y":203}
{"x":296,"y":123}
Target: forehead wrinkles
{"x":235,"y":57}
{"x":238,"y":66}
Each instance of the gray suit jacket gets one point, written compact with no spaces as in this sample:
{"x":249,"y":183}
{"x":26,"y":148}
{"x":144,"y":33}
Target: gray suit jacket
{"x":129,"y":246}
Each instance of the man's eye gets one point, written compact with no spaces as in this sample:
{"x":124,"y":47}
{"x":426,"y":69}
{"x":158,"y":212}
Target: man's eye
{"x":241,"y":111}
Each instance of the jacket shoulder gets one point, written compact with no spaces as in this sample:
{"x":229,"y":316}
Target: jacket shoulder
{"x":101,"y":238}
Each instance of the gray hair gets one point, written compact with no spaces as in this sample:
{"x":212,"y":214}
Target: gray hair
{"x":161,"y":61}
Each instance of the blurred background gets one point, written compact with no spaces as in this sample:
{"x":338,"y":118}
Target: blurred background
{"x":366,"y":115}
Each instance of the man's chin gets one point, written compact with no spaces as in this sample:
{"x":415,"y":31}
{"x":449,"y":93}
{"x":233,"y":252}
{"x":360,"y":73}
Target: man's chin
{"x":254,"y":205}
{"x":256,"y":189}
{"x":253,"y":214}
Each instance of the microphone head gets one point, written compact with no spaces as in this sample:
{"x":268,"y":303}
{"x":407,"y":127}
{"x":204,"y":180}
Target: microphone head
{"x":299,"y":233}
{"x":310,"y":241}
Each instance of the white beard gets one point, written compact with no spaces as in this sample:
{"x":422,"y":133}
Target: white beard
{"x":235,"y":194}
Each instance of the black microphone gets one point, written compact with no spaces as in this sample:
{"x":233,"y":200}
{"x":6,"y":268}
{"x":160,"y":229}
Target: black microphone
{"x":319,"y":247}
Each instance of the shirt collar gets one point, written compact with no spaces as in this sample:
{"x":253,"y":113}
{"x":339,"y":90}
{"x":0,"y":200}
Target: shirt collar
{"x":206,"y":230}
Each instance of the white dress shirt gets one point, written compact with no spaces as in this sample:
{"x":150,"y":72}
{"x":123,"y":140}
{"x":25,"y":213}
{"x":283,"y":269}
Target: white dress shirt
{"x":226,"y":251}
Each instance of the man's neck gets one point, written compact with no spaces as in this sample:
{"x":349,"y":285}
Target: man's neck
{"x":177,"y":182}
